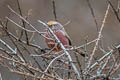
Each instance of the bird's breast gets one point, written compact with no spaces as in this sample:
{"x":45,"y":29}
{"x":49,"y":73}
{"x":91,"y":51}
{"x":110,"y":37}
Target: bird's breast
{"x":52,"y":43}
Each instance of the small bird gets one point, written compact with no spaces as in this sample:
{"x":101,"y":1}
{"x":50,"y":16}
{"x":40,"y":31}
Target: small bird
{"x":60,"y":32}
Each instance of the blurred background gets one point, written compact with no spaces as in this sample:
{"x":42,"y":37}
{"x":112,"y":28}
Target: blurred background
{"x":77,"y":12}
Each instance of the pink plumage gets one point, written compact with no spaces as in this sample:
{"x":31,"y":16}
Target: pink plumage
{"x":53,"y":43}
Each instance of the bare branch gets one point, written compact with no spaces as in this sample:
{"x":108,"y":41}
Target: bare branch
{"x":0,"y":76}
{"x":99,"y":35}
{"x":52,"y":62}
{"x":54,"y":10}
{"x":93,"y":15}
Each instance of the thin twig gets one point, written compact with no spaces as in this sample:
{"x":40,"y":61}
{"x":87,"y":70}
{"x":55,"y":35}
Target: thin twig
{"x":41,"y":33}
{"x":52,"y":62}
{"x":114,"y":10}
{"x":99,"y":35}
{"x":26,"y":65}
{"x":24,"y":42}
{"x":86,"y":56}
{"x":102,"y":58}
{"x":47,"y":53}
{"x":115,"y":69}
{"x":20,"y":26}
{"x":21,"y":57}
{"x":118,"y":8}
{"x":23,"y":23}
{"x":82,"y":46}
{"x":93,"y":15}
{"x":4,"y":43}
{"x":115,"y":64}
{"x":32,"y":57}
{"x":54,"y":10}
{"x":0,"y":76}
{"x":99,"y":71}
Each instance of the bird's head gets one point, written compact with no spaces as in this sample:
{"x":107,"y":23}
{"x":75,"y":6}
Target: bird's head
{"x":54,"y":25}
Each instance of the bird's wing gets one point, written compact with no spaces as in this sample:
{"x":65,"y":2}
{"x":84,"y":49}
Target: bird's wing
{"x":69,"y":40}
{"x":68,"y":37}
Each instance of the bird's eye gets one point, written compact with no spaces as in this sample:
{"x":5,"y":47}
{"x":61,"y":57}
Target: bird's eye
{"x":50,"y":26}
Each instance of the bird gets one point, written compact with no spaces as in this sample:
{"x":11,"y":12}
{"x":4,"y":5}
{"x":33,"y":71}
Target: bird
{"x":62,"y":35}
{"x":60,"y":32}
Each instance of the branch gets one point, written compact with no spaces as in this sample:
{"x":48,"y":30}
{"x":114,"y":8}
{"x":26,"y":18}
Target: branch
{"x":26,"y":65}
{"x":92,"y":12}
{"x":24,"y":21}
{"x":54,"y":10}
{"x":52,"y":62}
{"x":102,"y":58}
{"x":115,"y":12}
{"x":0,"y":76}
{"x":99,"y":35}
{"x":5,"y":44}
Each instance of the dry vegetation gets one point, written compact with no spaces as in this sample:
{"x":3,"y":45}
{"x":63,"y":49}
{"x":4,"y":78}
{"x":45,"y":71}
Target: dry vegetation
{"x":32,"y":61}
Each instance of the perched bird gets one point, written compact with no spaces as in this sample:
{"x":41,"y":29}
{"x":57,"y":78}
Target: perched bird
{"x":60,"y":32}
